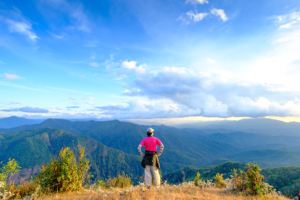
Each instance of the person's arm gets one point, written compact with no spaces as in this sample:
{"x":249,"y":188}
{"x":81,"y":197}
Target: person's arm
{"x":140,"y":150}
{"x":161,"y":149}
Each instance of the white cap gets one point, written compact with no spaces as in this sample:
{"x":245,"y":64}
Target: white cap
{"x":150,"y":130}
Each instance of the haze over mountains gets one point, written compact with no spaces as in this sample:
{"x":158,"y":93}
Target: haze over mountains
{"x":111,"y":146}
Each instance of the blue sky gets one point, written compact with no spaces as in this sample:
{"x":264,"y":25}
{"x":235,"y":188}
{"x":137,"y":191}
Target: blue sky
{"x":134,"y":59}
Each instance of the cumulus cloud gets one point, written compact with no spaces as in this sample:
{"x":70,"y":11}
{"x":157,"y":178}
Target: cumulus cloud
{"x":196,"y":1}
{"x":27,"y":109}
{"x":131,"y":65}
{"x":180,"y":92}
{"x":220,"y":13}
{"x":11,"y":77}
{"x":22,"y":27}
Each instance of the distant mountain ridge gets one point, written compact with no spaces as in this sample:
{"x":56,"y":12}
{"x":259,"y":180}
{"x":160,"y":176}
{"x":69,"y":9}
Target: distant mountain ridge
{"x":13,"y":121}
{"x":260,"y":126}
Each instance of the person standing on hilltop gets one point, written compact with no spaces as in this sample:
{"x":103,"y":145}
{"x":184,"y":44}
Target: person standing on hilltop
{"x":150,"y":158}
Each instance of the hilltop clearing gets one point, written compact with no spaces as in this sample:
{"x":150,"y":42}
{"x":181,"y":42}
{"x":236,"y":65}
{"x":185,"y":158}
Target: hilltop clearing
{"x":162,"y":193}
{"x":283,"y":179}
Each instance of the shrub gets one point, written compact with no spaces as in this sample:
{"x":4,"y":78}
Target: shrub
{"x":250,"y":181}
{"x":64,"y":173}
{"x":197,"y":178}
{"x":219,"y":183}
{"x":255,"y":180}
{"x":121,"y":181}
{"x":240,"y":180}
{"x":27,"y":188}
{"x":11,"y":168}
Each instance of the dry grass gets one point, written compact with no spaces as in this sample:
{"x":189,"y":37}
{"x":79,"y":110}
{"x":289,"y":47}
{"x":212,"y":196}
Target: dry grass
{"x":163,"y":193}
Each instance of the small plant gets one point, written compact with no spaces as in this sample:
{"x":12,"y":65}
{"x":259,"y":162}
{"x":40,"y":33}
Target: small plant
{"x":27,"y":188}
{"x":121,"y":181}
{"x":240,"y":180}
{"x":11,"y":168}
{"x":65,"y":173}
{"x":255,"y":180}
{"x":197,"y":178}
{"x":219,"y":183}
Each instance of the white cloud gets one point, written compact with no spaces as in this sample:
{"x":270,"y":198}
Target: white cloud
{"x":186,"y":17}
{"x":94,"y":64}
{"x":209,"y":60}
{"x":2,"y":63}
{"x":220,"y":13}
{"x":11,"y":76}
{"x":131,"y":65}
{"x":196,"y":1}
{"x":196,"y":16}
{"x":288,"y":25}
{"x":22,"y":27}
{"x":90,"y":103}
{"x":93,"y":57}
{"x":289,"y":20}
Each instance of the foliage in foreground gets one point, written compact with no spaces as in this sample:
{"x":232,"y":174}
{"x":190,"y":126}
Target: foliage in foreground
{"x":121,"y":181}
{"x":219,"y":183}
{"x":11,"y":168}
{"x":248,"y":182}
{"x":65,"y":173}
{"x":6,"y":171}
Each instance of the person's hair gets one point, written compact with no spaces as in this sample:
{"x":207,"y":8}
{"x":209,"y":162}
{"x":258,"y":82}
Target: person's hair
{"x":150,"y":131}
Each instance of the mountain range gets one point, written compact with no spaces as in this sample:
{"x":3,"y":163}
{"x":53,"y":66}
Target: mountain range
{"x":111,"y":146}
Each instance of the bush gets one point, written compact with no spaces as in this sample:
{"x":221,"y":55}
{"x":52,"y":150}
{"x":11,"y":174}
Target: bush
{"x":121,"y":181}
{"x":27,"y":188}
{"x":197,"y":178}
{"x":255,"y":180}
{"x":240,"y":180}
{"x":250,"y":181}
{"x":11,"y":168}
{"x":65,"y":173}
{"x":219,"y":183}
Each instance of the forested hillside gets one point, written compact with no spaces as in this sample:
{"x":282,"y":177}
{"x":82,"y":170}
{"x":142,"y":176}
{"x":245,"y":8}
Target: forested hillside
{"x":111,"y":146}
{"x":182,"y":148}
{"x":35,"y":147}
